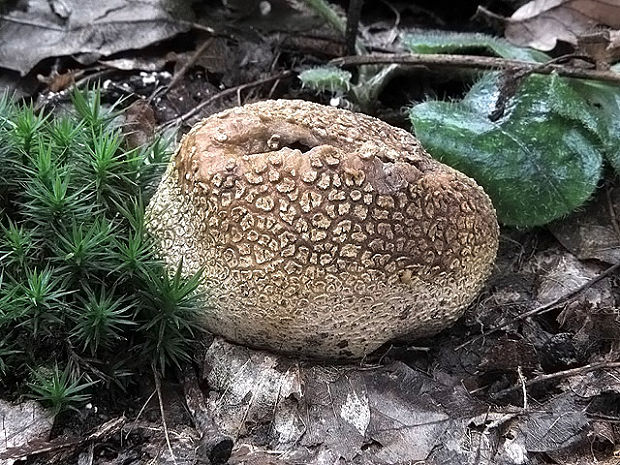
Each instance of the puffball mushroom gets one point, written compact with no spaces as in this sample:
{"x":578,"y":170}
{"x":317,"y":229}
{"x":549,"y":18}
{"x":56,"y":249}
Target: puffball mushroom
{"x":321,"y":232}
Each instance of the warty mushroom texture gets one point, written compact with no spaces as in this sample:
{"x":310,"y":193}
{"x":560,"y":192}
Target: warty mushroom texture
{"x":321,"y":232}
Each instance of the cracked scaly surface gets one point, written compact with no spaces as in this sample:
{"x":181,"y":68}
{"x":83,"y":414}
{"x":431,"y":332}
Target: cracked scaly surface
{"x":321,"y":232}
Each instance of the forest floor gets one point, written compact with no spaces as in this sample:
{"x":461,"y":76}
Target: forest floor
{"x":530,"y":374}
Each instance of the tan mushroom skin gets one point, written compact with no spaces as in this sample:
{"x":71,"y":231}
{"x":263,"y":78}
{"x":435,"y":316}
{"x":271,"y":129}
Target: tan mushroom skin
{"x":321,"y":232}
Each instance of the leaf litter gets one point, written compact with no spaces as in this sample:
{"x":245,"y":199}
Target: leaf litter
{"x":432,"y":402}
{"x":540,"y":24}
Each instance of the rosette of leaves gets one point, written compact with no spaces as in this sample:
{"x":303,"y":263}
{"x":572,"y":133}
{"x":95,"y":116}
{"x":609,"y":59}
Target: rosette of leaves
{"x":83,"y":299}
{"x":543,"y":157}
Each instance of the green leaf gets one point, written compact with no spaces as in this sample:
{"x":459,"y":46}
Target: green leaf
{"x":18,"y":246}
{"x":42,"y":296}
{"x":450,"y":42}
{"x":87,"y":104}
{"x":27,"y":128}
{"x":605,"y":98}
{"x":83,"y":249}
{"x":538,"y":162}
{"x":54,"y":202}
{"x":326,"y":78}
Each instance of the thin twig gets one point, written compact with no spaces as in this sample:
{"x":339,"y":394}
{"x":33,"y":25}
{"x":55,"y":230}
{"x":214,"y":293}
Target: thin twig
{"x":353,"y":20}
{"x":179,"y":75}
{"x":37,"y":448}
{"x":523,"y":383}
{"x":544,"y":308}
{"x":476,"y":62}
{"x":161,"y":411}
{"x":133,"y":423}
{"x":559,"y":374}
{"x":225,"y":93}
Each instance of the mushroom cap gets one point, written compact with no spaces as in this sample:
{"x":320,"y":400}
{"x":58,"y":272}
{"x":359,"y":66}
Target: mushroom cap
{"x":320,"y":231}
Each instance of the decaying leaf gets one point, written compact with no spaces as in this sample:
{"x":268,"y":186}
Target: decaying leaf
{"x":541,"y":23}
{"x":593,"y":232}
{"x":556,"y":425}
{"x":559,"y":273}
{"x":85,"y":27}
{"x":139,"y":128}
{"x":318,"y":413}
{"x":508,"y":354}
{"x":603,"y":47}
{"x":59,"y":81}
{"x":21,"y":424}
{"x":321,"y":413}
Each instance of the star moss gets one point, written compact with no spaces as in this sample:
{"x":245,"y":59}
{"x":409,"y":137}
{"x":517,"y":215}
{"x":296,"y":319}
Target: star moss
{"x":79,"y":280}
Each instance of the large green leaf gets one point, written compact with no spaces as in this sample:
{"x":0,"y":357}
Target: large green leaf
{"x":539,"y":161}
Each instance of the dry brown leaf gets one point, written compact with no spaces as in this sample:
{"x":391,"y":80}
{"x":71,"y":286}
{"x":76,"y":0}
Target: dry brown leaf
{"x":593,"y":232}
{"x":59,"y":81}
{"x":541,"y":23}
{"x":602,"y":47}
{"x":139,"y":128}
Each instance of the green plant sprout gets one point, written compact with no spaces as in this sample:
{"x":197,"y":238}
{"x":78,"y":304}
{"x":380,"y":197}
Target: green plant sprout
{"x":79,"y":279}
{"x":58,"y":390}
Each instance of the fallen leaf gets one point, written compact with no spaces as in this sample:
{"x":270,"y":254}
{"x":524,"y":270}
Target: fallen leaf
{"x":541,"y":23}
{"x":91,"y":27}
{"x":603,"y":47}
{"x":59,"y":81}
{"x":594,"y":232}
{"x":139,"y":128}
{"x":508,"y":354}
{"x":21,"y":424}
{"x":322,"y":413}
{"x":557,"y":424}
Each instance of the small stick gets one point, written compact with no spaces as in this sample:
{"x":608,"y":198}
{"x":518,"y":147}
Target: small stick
{"x":161,"y":411}
{"x":559,"y":374}
{"x":37,"y":448}
{"x":139,"y":414}
{"x":476,"y":62}
{"x":545,"y":308}
{"x":523,"y":382}
{"x":354,"y":14}
{"x":179,"y":75}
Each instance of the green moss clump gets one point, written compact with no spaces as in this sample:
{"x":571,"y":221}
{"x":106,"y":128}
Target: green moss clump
{"x":83,"y":298}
